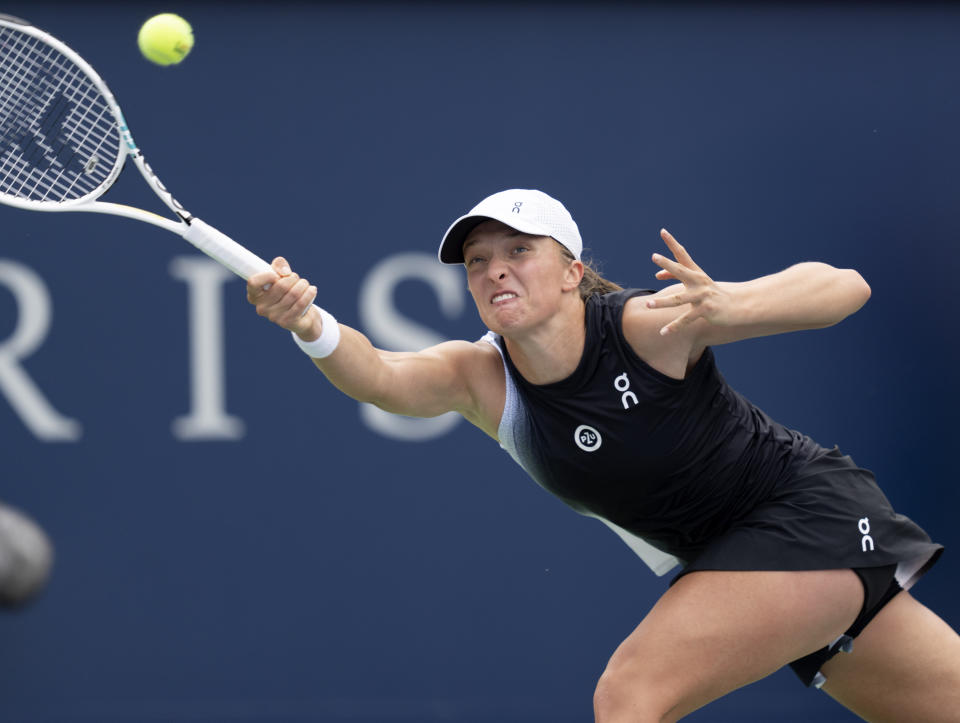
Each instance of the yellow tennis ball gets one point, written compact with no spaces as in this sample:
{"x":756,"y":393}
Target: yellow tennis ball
{"x":165,"y":39}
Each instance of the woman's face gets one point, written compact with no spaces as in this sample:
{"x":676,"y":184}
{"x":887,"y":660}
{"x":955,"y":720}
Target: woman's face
{"x":516,"y":280}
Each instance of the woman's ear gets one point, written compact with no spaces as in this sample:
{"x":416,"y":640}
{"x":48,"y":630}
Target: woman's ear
{"x":572,"y":275}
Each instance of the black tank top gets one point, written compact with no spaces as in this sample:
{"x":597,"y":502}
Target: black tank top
{"x":675,"y":462}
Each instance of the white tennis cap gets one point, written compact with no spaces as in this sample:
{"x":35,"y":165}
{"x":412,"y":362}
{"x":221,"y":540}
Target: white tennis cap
{"x":525,"y":210}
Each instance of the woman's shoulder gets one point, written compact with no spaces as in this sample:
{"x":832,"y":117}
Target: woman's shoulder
{"x":471,"y":356}
{"x":674,"y":355}
{"x":475,"y":365}
{"x":612,"y":308}
{"x":617,"y":299}
{"x":483,"y":368}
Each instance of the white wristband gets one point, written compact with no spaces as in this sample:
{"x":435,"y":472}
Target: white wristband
{"x":329,"y":337}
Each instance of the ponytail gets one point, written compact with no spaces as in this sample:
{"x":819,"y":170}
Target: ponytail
{"x":592,"y":283}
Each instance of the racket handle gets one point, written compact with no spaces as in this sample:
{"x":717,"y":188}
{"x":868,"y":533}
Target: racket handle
{"x":224,"y":249}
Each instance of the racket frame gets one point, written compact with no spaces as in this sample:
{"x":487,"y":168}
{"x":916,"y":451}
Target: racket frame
{"x":206,"y":238}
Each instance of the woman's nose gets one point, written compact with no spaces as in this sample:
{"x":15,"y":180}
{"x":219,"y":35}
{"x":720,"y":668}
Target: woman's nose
{"x":498,"y":270}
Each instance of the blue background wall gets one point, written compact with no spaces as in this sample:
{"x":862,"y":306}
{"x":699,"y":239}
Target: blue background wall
{"x":316,"y":569}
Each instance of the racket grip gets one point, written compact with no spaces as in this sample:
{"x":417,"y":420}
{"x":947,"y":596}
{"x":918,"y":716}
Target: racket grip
{"x":224,"y":249}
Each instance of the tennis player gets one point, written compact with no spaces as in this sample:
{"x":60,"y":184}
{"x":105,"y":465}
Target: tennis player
{"x":611,"y":399}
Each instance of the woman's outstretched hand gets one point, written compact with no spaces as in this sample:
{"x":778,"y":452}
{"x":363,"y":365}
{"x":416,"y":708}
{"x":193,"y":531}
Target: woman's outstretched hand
{"x":706,"y":298}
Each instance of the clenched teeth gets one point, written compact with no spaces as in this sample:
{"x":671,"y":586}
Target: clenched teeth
{"x":502,"y":297}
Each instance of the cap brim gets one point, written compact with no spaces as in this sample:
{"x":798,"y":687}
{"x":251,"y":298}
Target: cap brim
{"x":451,"y":248}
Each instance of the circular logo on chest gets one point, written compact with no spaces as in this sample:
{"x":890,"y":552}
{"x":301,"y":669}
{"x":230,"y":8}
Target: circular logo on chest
{"x":587,"y":438}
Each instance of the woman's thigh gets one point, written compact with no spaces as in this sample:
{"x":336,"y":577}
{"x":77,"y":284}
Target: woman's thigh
{"x":715,"y":631}
{"x":905,"y":666}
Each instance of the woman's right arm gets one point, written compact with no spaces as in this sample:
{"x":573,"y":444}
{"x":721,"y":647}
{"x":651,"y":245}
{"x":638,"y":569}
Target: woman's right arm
{"x":418,"y":384}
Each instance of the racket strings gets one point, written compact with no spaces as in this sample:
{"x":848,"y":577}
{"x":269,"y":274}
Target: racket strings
{"x":58,"y":137}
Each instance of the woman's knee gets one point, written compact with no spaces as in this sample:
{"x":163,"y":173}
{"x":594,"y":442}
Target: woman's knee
{"x":628,"y":696}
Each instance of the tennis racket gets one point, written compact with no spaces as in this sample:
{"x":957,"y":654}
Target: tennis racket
{"x":63,"y":143}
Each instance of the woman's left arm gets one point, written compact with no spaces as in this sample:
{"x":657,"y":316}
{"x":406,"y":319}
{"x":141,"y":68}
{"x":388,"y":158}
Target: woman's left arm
{"x":809,"y":295}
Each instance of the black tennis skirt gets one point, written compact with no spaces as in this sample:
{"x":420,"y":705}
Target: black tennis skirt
{"x":829,"y":514}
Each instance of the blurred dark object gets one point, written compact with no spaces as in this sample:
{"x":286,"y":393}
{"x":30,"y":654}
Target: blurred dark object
{"x":26,"y":557}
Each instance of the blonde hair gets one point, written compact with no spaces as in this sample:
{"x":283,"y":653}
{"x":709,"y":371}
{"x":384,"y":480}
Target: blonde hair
{"x":592,"y":283}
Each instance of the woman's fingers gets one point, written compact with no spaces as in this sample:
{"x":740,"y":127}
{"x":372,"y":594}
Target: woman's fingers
{"x":677,"y":268}
{"x":691,"y":276}
{"x":274,"y":292}
{"x":282,"y":296}
{"x":699,"y":290}
{"x":672,"y":267}
{"x":678,"y":323}
{"x":667,"y":302}
{"x":281,"y":266}
{"x":307,"y":299}
{"x":678,"y":251}
{"x":293,"y":294}
{"x":259,"y":284}
{"x":262,"y":282}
